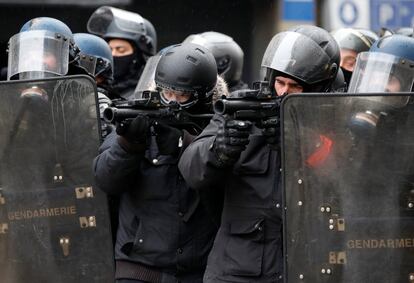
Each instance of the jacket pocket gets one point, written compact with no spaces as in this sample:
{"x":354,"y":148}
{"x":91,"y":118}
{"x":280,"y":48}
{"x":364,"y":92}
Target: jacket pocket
{"x":152,"y":243}
{"x":244,"y":250}
{"x":153,"y":238}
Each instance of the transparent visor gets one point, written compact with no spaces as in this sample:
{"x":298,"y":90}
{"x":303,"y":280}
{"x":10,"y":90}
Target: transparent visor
{"x":298,"y":56}
{"x":146,"y":81}
{"x":380,"y":72}
{"x":38,"y":52}
{"x":106,"y":20}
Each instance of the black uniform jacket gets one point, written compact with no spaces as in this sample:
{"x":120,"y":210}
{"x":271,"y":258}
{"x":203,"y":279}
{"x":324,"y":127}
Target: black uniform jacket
{"x":163,"y":224}
{"x":248,"y":246}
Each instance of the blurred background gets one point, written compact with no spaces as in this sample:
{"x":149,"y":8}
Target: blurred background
{"x":251,"y":23}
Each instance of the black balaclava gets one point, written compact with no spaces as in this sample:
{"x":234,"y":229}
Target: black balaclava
{"x":122,"y":66}
{"x":127,"y":70}
{"x":347,"y":76}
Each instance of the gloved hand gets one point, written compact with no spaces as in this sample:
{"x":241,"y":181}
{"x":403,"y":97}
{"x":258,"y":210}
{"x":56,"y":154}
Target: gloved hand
{"x":271,"y":131}
{"x":232,"y":138}
{"x":104,"y":102}
{"x":169,"y":139}
{"x":136,"y":131}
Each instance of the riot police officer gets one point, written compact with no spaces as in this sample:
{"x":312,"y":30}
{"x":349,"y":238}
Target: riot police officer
{"x":132,"y":39}
{"x":385,"y":68}
{"x":352,"y":41}
{"x":47,"y":151}
{"x":96,"y":57}
{"x":228,"y":54}
{"x":244,"y":160}
{"x":44,"y":47}
{"x":381,"y":129}
{"x":291,"y":73}
{"x":367,"y":178}
{"x":166,"y":229}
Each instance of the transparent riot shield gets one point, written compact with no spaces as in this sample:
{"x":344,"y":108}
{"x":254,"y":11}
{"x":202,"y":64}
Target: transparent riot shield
{"x":348,"y":177}
{"x":54,"y":224}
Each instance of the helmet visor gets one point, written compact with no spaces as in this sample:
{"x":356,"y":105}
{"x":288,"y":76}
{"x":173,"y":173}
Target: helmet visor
{"x":107,"y":21}
{"x":38,"y":52}
{"x":146,"y":81}
{"x":381,"y":72}
{"x":298,"y":56}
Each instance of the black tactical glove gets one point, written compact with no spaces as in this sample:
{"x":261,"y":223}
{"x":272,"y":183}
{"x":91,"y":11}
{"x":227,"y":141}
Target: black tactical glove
{"x":232,"y":138}
{"x":169,"y":139}
{"x":135,"y":132}
{"x":271,"y":131}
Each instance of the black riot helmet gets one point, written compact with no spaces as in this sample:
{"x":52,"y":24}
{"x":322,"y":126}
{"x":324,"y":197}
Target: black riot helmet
{"x":109,"y":22}
{"x":227,"y":53}
{"x":95,"y":55}
{"x":44,"y":47}
{"x":188,"y":68}
{"x":353,"y":39}
{"x":307,"y":54}
{"x":351,"y":42}
{"x":369,"y":33}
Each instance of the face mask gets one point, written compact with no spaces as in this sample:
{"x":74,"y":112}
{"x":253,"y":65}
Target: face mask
{"x":347,"y":76}
{"x":122,"y":65}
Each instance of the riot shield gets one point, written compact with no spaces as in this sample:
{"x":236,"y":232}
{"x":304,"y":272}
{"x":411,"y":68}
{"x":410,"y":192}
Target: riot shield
{"x":348,"y":188}
{"x":54,"y":224}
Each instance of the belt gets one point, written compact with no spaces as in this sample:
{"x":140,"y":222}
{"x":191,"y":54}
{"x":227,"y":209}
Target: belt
{"x":131,"y":270}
